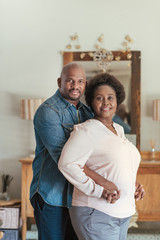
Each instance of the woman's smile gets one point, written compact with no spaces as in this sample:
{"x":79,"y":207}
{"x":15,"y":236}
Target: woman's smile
{"x":105,"y":108}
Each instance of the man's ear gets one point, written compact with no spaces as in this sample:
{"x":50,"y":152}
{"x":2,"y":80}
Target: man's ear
{"x":59,"y":82}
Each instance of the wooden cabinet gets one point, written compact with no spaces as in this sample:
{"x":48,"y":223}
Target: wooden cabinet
{"x":26,"y":208}
{"x":149,"y":176}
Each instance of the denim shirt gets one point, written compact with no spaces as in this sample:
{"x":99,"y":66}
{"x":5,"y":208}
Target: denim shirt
{"x":53,"y":123}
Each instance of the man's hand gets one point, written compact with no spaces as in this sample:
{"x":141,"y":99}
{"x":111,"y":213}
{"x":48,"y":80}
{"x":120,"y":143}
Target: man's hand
{"x":139,"y":192}
{"x":111,"y":197}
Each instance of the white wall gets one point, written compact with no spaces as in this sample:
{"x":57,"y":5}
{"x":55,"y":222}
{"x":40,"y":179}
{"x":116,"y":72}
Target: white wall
{"x":32,"y":32}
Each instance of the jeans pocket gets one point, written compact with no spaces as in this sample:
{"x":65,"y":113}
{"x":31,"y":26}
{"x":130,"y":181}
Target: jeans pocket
{"x":39,"y":202}
{"x":91,"y":211}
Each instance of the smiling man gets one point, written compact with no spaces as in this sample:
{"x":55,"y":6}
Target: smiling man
{"x":72,"y":83}
{"x":50,"y":192}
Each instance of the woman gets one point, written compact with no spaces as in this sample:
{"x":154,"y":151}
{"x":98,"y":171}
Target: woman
{"x":101,"y":145}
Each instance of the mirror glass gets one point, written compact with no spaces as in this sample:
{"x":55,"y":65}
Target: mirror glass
{"x":127,"y":71}
{"x":121,"y":70}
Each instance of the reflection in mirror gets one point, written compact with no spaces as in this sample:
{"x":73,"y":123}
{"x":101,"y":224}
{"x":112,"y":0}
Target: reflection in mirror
{"x":122,"y":117}
{"x":128,"y":73}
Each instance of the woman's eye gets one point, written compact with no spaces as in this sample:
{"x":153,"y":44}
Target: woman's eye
{"x":110,"y":98}
{"x":99,"y":98}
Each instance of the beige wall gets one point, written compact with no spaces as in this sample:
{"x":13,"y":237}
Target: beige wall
{"x":32,"y":32}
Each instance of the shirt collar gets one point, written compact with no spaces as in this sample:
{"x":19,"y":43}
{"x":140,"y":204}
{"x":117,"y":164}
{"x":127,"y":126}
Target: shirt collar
{"x":80,"y":104}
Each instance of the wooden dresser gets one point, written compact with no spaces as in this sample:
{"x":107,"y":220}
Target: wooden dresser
{"x":148,"y":175}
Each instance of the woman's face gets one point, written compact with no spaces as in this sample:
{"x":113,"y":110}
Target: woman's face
{"x":104,"y":102}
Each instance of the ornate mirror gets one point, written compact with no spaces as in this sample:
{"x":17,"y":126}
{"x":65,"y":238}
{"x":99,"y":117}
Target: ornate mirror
{"x":126,"y":70}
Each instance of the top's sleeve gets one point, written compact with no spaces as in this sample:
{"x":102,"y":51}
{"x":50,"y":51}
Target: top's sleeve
{"x":49,"y":132}
{"x":74,"y":155}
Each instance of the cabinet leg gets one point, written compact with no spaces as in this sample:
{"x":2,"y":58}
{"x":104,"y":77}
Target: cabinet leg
{"x":24,"y":229}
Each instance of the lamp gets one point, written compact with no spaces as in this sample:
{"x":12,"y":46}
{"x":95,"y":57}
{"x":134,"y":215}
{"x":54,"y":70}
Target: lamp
{"x":156,"y":117}
{"x":156,"y":109}
{"x":28,"y":109}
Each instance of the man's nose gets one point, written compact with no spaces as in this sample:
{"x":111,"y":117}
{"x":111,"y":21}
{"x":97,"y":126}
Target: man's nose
{"x":75,"y":84}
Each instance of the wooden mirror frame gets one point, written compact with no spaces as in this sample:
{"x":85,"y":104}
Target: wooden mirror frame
{"x":135,"y":83}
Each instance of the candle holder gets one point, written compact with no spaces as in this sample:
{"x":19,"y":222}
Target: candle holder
{"x":153,"y":150}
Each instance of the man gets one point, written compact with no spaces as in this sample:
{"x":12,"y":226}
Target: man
{"x":50,"y":192}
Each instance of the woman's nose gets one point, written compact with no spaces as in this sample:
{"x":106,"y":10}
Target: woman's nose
{"x":105,"y":102}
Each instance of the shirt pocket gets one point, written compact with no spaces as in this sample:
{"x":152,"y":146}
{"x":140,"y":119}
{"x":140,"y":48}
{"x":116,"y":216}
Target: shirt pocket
{"x":68,"y":128}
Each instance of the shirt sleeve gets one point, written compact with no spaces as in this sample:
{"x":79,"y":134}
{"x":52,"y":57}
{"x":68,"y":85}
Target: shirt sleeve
{"x":49,"y":132}
{"x":74,"y":156}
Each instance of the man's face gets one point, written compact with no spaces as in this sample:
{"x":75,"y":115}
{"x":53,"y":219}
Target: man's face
{"x":72,"y":84}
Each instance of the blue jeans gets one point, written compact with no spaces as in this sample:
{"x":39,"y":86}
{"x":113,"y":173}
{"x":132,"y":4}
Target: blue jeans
{"x":91,"y":224}
{"x":53,"y":222}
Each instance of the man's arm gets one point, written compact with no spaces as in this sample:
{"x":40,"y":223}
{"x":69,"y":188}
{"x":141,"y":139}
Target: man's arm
{"x":50,"y":132}
{"x":106,"y":184}
{"x":110,"y":192}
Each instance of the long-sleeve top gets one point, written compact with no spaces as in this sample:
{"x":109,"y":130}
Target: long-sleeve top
{"x":112,"y":156}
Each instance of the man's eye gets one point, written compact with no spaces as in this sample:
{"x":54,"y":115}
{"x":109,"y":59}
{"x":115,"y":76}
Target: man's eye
{"x":70,"y":80}
{"x":81,"y":81}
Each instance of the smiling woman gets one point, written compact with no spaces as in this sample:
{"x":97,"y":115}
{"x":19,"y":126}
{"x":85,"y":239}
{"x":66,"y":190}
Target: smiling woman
{"x":93,"y":143}
{"x":128,"y":75}
{"x":103,"y":94}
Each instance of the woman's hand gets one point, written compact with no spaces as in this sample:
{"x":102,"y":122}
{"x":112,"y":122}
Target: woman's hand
{"x":139,"y":192}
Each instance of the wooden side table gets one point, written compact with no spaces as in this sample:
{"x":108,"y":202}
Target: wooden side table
{"x":26,"y":208}
{"x":12,"y":202}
